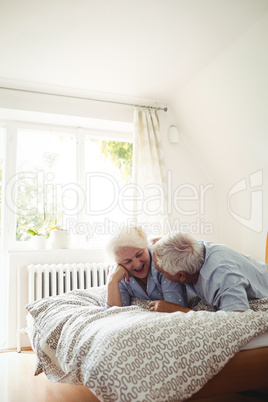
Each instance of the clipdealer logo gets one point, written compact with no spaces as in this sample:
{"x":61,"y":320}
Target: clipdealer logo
{"x":253,"y":194}
{"x":94,"y":207}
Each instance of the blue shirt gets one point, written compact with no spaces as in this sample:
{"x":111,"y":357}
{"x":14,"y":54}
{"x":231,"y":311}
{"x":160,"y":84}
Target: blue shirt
{"x":228,"y":280}
{"x":158,"y":288}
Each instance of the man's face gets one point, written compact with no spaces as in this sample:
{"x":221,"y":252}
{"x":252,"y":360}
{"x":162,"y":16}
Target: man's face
{"x":173,"y":278}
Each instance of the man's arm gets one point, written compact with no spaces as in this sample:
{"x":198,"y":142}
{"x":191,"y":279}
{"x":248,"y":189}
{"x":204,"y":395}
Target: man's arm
{"x":232,"y":295}
{"x":162,"y":306}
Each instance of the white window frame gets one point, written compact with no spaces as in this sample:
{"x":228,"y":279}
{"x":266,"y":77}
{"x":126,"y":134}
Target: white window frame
{"x":9,"y":169}
{"x":3,"y":126}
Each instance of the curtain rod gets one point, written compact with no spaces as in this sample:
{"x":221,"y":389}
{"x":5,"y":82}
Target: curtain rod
{"x":89,"y":99}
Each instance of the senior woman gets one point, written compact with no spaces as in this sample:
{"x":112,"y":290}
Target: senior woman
{"x":135,"y":275}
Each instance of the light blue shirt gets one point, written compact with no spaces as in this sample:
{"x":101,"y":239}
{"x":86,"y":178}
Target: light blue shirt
{"x":228,"y":280}
{"x":158,"y":288}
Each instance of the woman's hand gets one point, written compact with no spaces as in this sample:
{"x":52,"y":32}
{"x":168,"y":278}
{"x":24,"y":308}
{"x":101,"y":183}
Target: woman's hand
{"x":113,"y":293}
{"x":119,"y":273}
{"x":162,"y":306}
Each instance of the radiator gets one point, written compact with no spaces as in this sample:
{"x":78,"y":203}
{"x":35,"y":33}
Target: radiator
{"x":46,"y":280}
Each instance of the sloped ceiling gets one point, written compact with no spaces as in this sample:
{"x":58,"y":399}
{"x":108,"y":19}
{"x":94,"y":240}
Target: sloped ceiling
{"x":143,"y":48}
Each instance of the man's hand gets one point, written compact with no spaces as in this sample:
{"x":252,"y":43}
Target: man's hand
{"x":162,"y":306}
{"x":154,"y":240}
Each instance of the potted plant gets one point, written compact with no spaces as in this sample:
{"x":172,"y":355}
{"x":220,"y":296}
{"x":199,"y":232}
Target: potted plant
{"x":38,"y":236}
{"x":58,"y":236}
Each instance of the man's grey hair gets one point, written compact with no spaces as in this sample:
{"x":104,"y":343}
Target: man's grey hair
{"x":128,"y":236}
{"x":179,"y":252}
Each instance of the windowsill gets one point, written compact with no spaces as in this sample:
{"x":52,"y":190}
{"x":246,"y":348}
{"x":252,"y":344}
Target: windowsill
{"x":24,"y":257}
{"x":49,"y":250}
{"x":94,"y":246}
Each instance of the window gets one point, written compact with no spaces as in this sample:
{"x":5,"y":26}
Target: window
{"x":46,"y":160}
{"x":74,"y":176}
{"x":2,"y":147}
{"x":2,"y":270}
{"x":108,"y":170}
{"x":57,"y":172}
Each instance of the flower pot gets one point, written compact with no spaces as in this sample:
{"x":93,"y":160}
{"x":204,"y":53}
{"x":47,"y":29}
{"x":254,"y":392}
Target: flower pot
{"x":59,"y":239}
{"x":38,"y":242}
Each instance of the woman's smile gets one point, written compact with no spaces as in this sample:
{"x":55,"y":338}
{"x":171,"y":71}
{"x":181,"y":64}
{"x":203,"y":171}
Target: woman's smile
{"x":137,"y":261}
{"x":140,"y":270}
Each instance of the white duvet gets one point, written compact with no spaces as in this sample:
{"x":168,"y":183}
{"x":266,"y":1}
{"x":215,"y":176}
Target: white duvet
{"x":132,"y":354}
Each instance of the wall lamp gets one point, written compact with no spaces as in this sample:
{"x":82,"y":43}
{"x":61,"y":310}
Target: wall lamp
{"x":173,"y":135}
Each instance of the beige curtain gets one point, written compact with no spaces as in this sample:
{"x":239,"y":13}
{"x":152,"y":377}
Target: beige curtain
{"x":149,"y":173}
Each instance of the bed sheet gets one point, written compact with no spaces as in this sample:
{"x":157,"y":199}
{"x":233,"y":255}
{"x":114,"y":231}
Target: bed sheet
{"x":132,"y":354}
{"x":260,"y":341}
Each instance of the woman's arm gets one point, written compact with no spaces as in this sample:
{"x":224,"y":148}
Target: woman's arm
{"x":113,"y":291}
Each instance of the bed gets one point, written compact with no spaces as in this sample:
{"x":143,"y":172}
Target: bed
{"x":132,"y":354}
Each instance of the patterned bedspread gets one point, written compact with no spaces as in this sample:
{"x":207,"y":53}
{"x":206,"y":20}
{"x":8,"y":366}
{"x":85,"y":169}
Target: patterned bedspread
{"x":132,"y":354}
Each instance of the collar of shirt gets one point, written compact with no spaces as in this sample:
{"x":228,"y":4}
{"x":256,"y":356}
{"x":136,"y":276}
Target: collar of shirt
{"x":153,"y":279}
{"x":154,"y":276}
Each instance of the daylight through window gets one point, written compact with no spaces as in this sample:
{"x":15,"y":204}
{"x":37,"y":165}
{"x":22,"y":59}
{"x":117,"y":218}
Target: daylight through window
{"x":70,"y":178}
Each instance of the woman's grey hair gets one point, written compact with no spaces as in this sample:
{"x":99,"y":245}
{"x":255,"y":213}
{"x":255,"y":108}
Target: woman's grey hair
{"x":129,"y":236}
{"x":179,"y":252}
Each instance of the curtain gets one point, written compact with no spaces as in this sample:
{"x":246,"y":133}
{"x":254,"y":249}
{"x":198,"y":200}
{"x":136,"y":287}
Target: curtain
{"x":149,"y":175}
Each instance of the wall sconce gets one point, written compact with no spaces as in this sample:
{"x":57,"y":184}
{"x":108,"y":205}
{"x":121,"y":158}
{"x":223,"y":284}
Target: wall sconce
{"x":173,"y":135}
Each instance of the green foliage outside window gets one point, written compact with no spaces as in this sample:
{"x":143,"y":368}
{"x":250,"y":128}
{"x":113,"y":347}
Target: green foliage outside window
{"x":121,"y":154}
{"x":28,"y":200}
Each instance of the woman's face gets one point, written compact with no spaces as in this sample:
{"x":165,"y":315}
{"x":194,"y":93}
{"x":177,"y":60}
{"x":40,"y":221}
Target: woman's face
{"x":136,"y":260}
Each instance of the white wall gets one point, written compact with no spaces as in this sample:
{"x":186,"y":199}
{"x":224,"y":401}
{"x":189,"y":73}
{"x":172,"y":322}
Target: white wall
{"x":191,"y":194}
{"x":223,"y":115}
{"x":63,"y":106}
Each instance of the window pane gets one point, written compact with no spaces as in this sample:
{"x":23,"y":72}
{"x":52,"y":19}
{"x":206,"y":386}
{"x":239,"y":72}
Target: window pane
{"x":3,"y":272}
{"x":46,"y":165}
{"x":108,"y":166}
{"x":2,"y":144}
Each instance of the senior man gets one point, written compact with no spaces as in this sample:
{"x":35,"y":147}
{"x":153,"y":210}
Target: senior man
{"x":220,"y":276}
